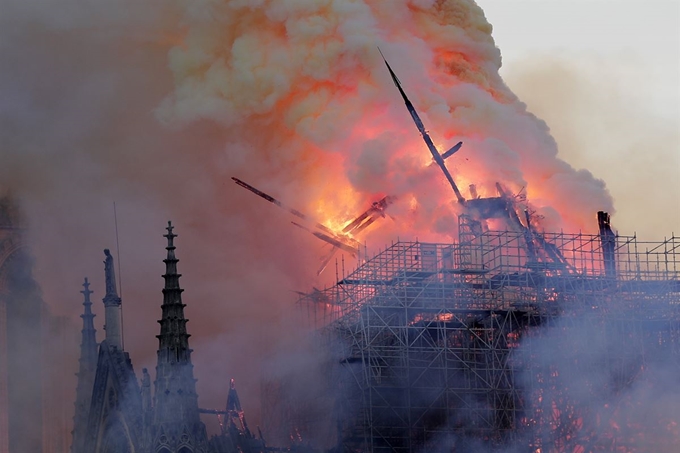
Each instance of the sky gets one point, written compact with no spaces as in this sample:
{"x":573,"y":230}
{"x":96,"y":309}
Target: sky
{"x":604,"y":76}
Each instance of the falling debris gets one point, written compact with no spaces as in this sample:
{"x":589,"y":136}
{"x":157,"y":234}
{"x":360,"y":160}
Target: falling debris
{"x":480,"y":209}
{"x":438,"y":158}
{"x":342,"y":240}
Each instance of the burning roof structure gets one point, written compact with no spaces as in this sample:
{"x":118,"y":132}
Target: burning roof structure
{"x":504,"y":339}
{"x":342,"y":240}
{"x":475,"y":346}
{"x":444,"y":342}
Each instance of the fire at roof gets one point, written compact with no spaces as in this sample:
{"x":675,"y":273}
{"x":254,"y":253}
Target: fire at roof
{"x":504,"y":340}
{"x":506,"y":314}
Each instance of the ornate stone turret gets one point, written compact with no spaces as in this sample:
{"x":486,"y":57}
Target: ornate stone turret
{"x":176,"y":422}
{"x":112,"y":304}
{"x":86,"y":373}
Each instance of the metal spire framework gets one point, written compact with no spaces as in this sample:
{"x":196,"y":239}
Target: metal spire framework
{"x":176,"y":423}
{"x":236,"y":417}
{"x":86,"y":372}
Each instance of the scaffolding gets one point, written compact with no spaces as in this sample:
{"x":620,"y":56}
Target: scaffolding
{"x":444,"y":344}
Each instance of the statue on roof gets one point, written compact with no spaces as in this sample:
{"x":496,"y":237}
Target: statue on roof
{"x":109,"y":273}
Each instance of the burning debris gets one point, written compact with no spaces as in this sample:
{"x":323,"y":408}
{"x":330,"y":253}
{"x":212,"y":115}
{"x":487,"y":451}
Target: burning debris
{"x":438,"y":158}
{"x":342,"y":240}
{"x":503,"y":206}
{"x":477,"y":209}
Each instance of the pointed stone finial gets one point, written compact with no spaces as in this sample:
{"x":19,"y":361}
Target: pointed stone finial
{"x":87,"y":303}
{"x":146,"y":379}
{"x":86,"y":292}
{"x":146,"y":395}
{"x":86,"y":373}
{"x":88,"y":325}
{"x":170,"y":236}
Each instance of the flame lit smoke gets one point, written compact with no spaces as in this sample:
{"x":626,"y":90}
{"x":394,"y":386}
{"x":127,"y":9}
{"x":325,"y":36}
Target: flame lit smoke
{"x":301,"y":88}
{"x":299,"y":104}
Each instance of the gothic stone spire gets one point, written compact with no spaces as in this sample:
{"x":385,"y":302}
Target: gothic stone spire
{"x":88,"y":345}
{"x":176,"y":417}
{"x":112,"y":304}
{"x":86,"y":372}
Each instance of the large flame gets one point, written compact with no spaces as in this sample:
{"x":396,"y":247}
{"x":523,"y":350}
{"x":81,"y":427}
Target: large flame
{"x":302,"y":86}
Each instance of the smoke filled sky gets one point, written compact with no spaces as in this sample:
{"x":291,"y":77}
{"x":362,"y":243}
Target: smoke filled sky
{"x":155,"y":105}
{"x":604,"y":76}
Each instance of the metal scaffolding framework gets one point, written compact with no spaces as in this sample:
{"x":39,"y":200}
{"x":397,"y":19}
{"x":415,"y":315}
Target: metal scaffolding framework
{"x":500,"y":339}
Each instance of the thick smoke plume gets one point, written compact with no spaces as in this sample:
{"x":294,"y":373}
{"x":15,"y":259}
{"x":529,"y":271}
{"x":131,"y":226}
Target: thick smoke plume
{"x":289,"y":95}
{"x":603,"y":381}
{"x":300,"y":87}
{"x":605,"y":117}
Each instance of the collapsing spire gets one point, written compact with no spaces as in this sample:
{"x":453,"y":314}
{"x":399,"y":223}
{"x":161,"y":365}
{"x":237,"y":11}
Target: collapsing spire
{"x":438,"y":158}
{"x":175,"y":408}
{"x":112,"y":304}
{"x":86,"y":372}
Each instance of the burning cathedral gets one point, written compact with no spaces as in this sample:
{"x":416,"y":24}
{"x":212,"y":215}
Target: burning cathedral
{"x":506,"y":338}
{"x":510,"y":338}
{"x":513,"y":336}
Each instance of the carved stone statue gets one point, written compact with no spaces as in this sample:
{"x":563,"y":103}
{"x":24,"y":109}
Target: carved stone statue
{"x":109,"y":273}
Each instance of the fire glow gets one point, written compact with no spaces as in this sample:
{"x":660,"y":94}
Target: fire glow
{"x":303,"y":84}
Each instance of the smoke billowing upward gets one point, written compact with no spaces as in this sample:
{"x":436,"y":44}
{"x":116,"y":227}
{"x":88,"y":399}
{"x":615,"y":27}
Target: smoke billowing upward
{"x":301,"y":90}
{"x":598,"y":120}
{"x":155,"y":106}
